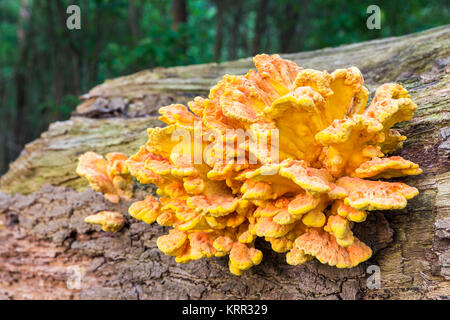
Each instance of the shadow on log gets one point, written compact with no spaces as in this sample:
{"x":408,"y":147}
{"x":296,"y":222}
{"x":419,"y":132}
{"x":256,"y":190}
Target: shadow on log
{"x":43,"y":203}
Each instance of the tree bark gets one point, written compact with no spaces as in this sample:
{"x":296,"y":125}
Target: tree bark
{"x":43,"y":202}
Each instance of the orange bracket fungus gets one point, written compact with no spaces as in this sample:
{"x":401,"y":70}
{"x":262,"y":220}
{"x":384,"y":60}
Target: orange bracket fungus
{"x":109,"y":220}
{"x":109,"y":176}
{"x":288,"y":154}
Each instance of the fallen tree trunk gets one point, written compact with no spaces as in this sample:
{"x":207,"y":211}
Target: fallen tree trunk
{"x":46,"y":247}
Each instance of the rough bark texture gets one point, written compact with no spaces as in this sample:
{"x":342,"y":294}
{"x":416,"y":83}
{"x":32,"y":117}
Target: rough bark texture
{"x":43,"y":202}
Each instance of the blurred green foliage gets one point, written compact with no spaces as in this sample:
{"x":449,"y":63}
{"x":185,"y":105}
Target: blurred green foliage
{"x":44,"y":66}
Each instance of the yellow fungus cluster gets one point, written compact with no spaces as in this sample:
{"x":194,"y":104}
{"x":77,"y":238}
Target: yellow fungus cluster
{"x":280,"y":153}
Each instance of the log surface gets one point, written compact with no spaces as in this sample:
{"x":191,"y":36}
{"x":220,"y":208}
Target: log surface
{"x":45,"y":243}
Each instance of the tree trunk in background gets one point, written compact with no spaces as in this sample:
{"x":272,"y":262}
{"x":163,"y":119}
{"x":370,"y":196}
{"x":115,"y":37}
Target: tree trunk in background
{"x":235,"y":36}
{"x":260,"y":26}
{"x":179,"y":13}
{"x":180,"y":16}
{"x":219,"y":29}
{"x":288,"y":26}
{"x":3,"y":124}
{"x":20,"y":77}
{"x":134,"y":19}
{"x":301,"y":27}
{"x":45,"y":241}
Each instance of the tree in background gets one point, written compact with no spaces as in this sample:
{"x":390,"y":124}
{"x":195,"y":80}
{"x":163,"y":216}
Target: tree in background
{"x":44,"y":67}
